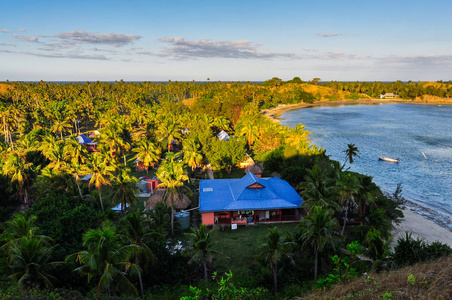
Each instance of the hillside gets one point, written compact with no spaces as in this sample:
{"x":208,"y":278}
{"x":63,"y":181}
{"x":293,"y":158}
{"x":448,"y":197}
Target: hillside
{"x":4,"y":87}
{"x":431,"y":280}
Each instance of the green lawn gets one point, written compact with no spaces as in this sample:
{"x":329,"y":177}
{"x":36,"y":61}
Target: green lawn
{"x":240,"y":247}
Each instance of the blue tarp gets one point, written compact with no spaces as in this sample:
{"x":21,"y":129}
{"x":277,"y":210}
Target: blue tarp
{"x":247,"y":193}
{"x":84,"y":140}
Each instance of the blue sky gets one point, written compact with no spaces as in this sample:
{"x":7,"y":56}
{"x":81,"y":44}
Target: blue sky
{"x":225,"y":40}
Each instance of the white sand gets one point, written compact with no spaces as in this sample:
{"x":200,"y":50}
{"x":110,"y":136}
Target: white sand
{"x":422,"y":228}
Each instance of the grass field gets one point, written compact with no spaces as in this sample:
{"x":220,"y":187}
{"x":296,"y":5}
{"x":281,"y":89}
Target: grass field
{"x":239,"y":247}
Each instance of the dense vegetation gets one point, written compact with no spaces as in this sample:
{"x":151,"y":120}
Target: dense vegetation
{"x":60,"y":238}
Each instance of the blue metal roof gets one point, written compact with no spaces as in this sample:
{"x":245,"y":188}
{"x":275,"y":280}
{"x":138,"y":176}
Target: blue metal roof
{"x":83,"y":139}
{"x":247,"y":193}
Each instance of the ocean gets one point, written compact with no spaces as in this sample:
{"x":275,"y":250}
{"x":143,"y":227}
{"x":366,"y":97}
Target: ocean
{"x":403,"y":131}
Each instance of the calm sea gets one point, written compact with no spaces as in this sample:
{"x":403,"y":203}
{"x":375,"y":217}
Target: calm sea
{"x":394,"y":130}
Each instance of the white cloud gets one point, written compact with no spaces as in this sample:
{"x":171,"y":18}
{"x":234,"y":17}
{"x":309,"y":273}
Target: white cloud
{"x":26,"y":38}
{"x":83,"y":37}
{"x":329,"y":34}
{"x":206,"y":48}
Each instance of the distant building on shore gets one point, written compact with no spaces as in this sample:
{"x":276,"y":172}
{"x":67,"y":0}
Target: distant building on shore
{"x":389,"y":96}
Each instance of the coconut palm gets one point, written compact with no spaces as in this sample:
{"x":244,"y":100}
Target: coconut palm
{"x":172,"y":175}
{"x":169,"y":129}
{"x":27,"y":253}
{"x":100,"y":172}
{"x":192,"y":154}
{"x":147,"y":153}
{"x":350,"y":153}
{"x":248,"y":126}
{"x":124,"y":188}
{"x":317,"y":230}
{"x":298,"y":136}
{"x":60,"y":124}
{"x":106,"y":260}
{"x":201,"y":246}
{"x":348,"y":186}
{"x":276,"y":247}
{"x":17,"y":168}
{"x":134,"y":229}
{"x":319,"y":190}
{"x":29,"y":261}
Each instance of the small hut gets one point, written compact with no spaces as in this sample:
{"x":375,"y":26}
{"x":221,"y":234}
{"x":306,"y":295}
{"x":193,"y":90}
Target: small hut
{"x":158,"y":196}
{"x":255,"y":169}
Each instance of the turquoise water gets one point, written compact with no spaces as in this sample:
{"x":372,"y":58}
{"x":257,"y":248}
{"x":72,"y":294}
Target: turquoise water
{"x":394,"y":130}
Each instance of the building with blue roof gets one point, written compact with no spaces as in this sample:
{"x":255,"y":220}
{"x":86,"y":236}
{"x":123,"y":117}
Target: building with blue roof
{"x":87,"y":142}
{"x":247,"y":200}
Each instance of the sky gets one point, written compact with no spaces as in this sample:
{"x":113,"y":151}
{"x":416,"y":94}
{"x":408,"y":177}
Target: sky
{"x":367,"y":40}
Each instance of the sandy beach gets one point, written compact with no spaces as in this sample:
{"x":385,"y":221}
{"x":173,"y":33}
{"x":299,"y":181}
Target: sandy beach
{"x":423,"y":228}
{"x":414,"y":223}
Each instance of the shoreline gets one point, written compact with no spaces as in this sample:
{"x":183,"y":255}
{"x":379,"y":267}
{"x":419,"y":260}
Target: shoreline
{"x":414,"y":222}
{"x":275,"y":113}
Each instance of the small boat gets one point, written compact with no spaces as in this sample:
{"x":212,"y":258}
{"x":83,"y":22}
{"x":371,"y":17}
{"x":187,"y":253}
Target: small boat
{"x":394,"y":160}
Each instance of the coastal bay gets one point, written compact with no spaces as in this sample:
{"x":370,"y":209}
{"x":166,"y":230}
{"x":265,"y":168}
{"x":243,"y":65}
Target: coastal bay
{"x":428,"y":215}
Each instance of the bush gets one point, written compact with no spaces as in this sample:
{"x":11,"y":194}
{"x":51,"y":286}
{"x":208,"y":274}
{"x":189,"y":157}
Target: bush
{"x":409,"y":251}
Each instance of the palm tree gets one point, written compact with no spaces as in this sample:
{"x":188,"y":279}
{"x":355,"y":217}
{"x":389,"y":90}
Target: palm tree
{"x":316,"y":229}
{"x":106,"y":259}
{"x":17,"y":228}
{"x":29,"y":261}
{"x":99,"y":174}
{"x":367,"y":193}
{"x":169,"y":129}
{"x":319,"y":190}
{"x":124,"y":189}
{"x":349,"y":186}
{"x":172,"y":175}
{"x":276,"y":247}
{"x":117,"y":138}
{"x":134,"y":229}
{"x":28,"y":254}
{"x":350,"y":153}
{"x":147,"y":153}
{"x":192,"y":154}
{"x":60,"y":124}
{"x":297,"y":136}
{"x":201,"y":246}
{"x":248,"y":126}
{"x":17,"y":168}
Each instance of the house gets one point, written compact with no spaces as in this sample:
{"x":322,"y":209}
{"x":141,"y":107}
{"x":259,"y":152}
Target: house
{"x":389,"y":96}
{"x":249,"y":199}
{"x":87,"y":142}
{"x":223,"y":136}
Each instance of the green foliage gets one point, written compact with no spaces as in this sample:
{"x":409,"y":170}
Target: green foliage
{"x":343,"y":270}
{"x":65,"y":219}
{"x":409,"y":251}
{"x":14,"y":292}
{"x":226,"y":290}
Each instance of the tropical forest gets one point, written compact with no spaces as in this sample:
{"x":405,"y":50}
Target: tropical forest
{"x":74,"y":224}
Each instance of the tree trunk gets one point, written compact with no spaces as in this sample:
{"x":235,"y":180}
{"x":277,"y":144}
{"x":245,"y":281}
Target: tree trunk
{"x":79,"y":189}
{"x":345,"y":219}
{"x":141,"y":284}
{"x":316,"y":263}
{"x":125,"y":163}
{"x":205,"y":270}
{"x":101,"y":203}
{"x":172,"y":221}
{"x":275,"y":277}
